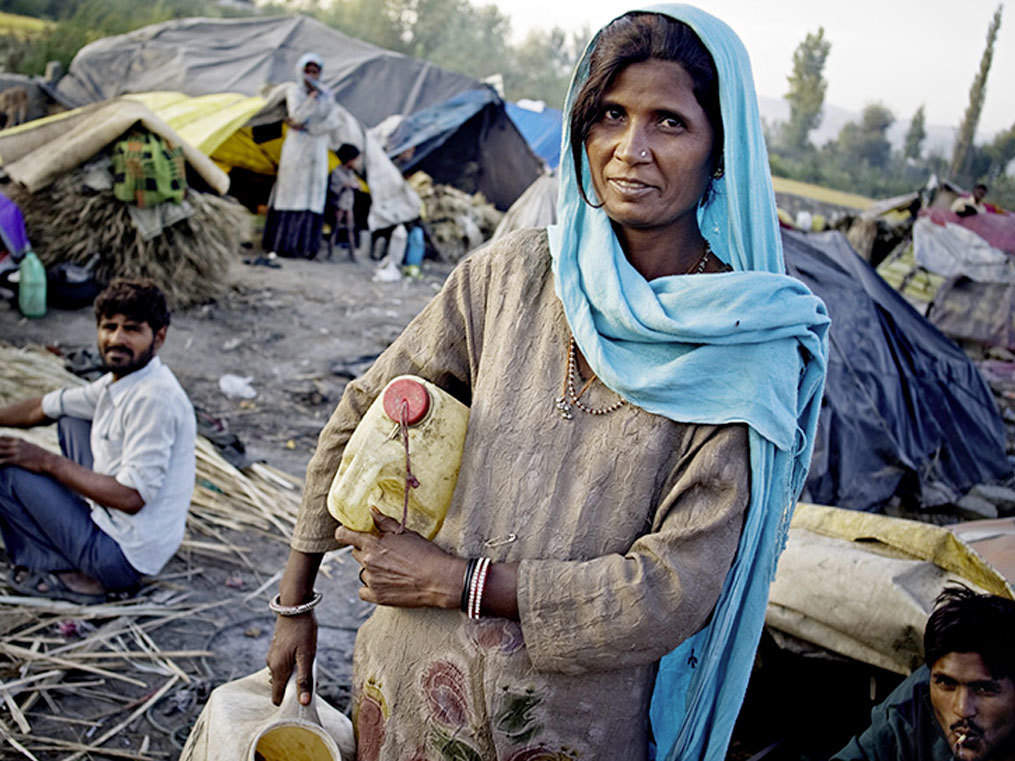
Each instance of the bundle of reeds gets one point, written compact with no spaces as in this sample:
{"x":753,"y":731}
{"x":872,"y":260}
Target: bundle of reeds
{"x":188,"y":260}
{"x":457,"y":222}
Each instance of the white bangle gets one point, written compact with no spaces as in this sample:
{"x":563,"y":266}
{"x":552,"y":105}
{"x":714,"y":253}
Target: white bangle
{"x":478,"y":583}
{"x":276,"y":606}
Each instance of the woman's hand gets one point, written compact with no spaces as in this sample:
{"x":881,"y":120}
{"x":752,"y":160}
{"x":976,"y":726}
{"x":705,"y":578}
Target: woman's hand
{"x":403,"y":569}
{"x":293,"y":644}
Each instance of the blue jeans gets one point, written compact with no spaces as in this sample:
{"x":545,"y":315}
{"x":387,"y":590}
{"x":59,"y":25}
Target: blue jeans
{"x":48,"y":527}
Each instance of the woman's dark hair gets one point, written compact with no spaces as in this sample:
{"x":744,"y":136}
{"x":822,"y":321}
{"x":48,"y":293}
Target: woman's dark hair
{"x":965,"y":621}
{"x":347,"y":152}
{"x":634,"y":38}
{"x":139,"y":299}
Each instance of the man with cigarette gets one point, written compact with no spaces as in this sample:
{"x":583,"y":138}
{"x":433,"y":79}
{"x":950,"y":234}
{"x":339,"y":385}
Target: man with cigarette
{"x":961,"y":704}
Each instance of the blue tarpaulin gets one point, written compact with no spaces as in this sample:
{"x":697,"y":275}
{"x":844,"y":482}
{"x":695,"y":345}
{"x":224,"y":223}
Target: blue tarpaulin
{"x":541,"y":129}
{"x":425,"y":131}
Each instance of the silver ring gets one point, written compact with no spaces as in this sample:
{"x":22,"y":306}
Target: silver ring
{"x":361,"y":579}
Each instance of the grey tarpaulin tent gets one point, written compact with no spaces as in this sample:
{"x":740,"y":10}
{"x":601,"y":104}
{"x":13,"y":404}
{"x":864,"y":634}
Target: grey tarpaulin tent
{"x":202,"y":56}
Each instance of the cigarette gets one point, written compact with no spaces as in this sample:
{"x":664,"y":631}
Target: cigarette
{"x":961,"y":739}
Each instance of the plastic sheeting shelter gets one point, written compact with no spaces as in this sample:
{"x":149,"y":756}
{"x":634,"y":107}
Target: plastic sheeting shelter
{"x":466,"y":142}
{"x":905,"y":411}
{"x":542,"y":129}
{"x":247,"y":56}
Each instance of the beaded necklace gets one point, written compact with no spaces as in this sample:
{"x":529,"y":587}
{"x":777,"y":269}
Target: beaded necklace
{"x":569,"y":398}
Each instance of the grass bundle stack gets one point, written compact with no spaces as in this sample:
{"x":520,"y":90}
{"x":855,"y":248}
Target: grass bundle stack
{"x":189,"y":260}
{"x":457,"y":221}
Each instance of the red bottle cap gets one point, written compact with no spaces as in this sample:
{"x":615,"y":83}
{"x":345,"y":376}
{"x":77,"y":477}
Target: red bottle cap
{"x":408,"y":392}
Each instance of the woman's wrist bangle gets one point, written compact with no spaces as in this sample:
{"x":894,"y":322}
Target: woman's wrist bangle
{"x":276,"y":606}
{"x":476,"y":588}
{"x":470,"y":569}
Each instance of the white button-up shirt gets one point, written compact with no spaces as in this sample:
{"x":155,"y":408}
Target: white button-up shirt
{"x":143,"y":434}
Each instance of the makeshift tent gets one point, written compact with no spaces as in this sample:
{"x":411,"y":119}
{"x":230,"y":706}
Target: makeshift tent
{"x":982,"y":313}
{"x":244,"y":137}
{"x":536,"y":207}
{"x":979,"y":247}
{"x":465,"y":142}
{"x":64,"y":187}
{"x":246,"y":56}
{"x":905,"y":411}
{"x":542,"y":127}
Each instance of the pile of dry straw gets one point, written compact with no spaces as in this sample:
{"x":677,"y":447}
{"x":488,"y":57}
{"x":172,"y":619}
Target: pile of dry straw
{"x":457,"y":222}
{"x":189,"y":260}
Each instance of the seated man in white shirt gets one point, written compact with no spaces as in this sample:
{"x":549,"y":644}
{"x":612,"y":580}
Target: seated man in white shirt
{"x":113,"y":507}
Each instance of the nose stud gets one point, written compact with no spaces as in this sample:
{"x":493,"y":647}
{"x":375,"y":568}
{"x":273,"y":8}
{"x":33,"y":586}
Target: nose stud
{"x":644,"y":154}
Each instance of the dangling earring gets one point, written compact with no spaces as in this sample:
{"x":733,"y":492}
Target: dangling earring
{"x":720,"y":170}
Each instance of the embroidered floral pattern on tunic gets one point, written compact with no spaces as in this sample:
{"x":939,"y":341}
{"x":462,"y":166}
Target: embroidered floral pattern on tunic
{"x":371,"y":715}
{"x":496,"y":634}
{"x":447,"y":694}
{"x":451,"y":748}
{"x":514,"y":717}
{"x":542,"y":753}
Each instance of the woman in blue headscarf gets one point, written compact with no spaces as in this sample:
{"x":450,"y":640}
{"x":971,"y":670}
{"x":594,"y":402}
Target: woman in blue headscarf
{"x":296,"y":208}
{"x":644,"y":382}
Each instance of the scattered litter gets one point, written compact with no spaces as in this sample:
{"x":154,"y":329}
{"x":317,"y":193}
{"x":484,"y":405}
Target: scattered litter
{"x":236,"y":386}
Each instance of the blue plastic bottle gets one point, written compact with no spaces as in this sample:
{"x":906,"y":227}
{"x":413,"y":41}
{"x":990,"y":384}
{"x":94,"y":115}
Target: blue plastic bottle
{"x":415,"y":249}
{"x":32,"y":286}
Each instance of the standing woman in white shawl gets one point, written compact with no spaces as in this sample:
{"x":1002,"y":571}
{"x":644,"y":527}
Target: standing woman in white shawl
{"x":296,"y":210}
{"x":643,"y":382}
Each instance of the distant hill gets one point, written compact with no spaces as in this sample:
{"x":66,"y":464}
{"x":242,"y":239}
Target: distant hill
{"x":939,"y":139}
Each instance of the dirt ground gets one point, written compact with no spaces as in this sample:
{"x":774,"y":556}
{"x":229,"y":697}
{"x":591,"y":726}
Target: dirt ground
{"x":286,"y":329}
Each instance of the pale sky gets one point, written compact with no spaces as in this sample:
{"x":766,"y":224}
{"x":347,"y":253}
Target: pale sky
{"x":901,"y":53}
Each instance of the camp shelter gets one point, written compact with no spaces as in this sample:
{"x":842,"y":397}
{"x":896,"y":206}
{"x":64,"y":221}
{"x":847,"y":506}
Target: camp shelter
{"x":250,"y":55}
{"x":541,"y":126}
{"x":114,"y":188}
{"x":905,"y":411}
{"x":536,"y":207}
{"x":466,"y":141}
{"x":36,"y":153}
{"x":848,"y":606}
{"x":243,"y":136}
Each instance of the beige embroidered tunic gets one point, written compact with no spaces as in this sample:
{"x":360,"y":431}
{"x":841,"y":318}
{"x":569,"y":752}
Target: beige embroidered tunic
{"x":624,"y":524}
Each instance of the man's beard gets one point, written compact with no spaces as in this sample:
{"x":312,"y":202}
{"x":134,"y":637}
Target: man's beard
{"x":126,"y":365}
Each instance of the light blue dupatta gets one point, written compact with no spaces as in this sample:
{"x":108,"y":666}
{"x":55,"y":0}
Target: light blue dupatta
{"x":746,"y":346}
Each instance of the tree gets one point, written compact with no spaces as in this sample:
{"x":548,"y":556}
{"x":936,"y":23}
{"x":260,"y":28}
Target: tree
{"x":867,"y":142}
{"x":977,"y":93}
{"x":915,"y":136}
{"x":1000,"y":152}
{"x":807,"y":86}
{"x":542,"y":63}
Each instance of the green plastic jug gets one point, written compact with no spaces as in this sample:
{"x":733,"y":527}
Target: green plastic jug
{"x":32,"y":286}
